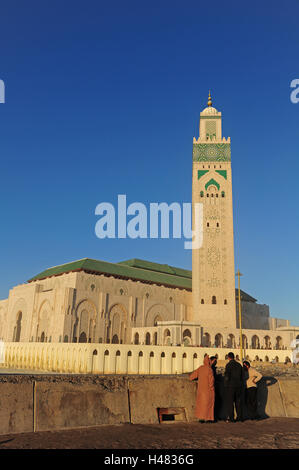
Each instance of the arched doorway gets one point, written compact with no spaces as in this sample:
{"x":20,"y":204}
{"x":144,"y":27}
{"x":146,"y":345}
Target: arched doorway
{"x":278,"y":342}
{"x":255,"y":342}
{"x":115,"y":339}
{"x":187,"y":337}
{"x":167,"y":338}
{"x":231,"y":343}
{"x":147,"y":339}
{"x":267,"y":342}
{"x":219,"y":340}
{"x":244,"y":342}
{"x":206,"y":340}
{"x":83,"y":337}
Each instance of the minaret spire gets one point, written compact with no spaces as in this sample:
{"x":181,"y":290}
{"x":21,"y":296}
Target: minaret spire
{"x":209,"y":99}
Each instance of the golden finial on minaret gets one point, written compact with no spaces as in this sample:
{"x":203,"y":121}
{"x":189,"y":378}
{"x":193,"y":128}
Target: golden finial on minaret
{"x":210,"y":99}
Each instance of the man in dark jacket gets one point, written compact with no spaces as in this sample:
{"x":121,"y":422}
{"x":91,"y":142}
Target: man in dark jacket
{"x":233,"y":383}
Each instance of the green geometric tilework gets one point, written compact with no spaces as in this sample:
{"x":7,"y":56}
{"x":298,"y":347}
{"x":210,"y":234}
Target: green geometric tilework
{"x":211,"y":153}
{"x":222,"y":173}
{"x":200,"y":173}
{"x":214,"y":183}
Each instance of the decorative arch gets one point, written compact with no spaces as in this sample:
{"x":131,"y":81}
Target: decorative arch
{"x":213,"y":183}
{"x":43,"y":326}
{"x":219,"y":340}
{"x":18,"y":328}
{"x":157,"y":310}
{"x":206,"y":340}
{"x":118,"y":323}
{"x":255,"y":342}
{"x":85,"y":322}
{"x":20,"y":306}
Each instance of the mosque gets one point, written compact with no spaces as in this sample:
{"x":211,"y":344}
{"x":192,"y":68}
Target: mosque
{"x":145,"y":303}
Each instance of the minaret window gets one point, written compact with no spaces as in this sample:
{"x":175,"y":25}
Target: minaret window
{"x":202,"y":301}
{"x":214,"y":299}
{"x":225,"y":302}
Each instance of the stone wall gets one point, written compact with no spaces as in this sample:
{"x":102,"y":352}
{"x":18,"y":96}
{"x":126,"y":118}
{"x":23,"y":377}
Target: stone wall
{"x":51,"y":402}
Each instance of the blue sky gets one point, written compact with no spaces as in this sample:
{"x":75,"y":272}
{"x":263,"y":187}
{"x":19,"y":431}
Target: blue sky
{"x":103,"y":98}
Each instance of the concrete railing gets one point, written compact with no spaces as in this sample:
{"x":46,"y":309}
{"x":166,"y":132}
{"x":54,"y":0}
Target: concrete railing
{"x":118,"y":359}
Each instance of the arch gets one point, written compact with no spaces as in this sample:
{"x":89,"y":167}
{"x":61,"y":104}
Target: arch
{"x":115,"y":339}
{"x":187,"y":333}
{"x":42,"y":337}
{"x":187,"y":337}
{"x":213,"y":183}
{"x":231,"y":342}
{"x":148,"y":338}
{"x":245,"y":341}
{"x":44,"y":320}
{"x":18,"y":328}
{"x":157,"y":319}
{"x":219,"y":340}
{"x":255,"y":342}
{"x":206,"y":340}
{"x":167,"y":337}
{"x":267,"y":342}
{"x":278,"y":344}
{"x":118,"y":322}
{"x":155,"y":313}
{"x":136,"y":338}
{"x":85,"y":320}
{"x":83,"y":337}
{"x":155,"y":342}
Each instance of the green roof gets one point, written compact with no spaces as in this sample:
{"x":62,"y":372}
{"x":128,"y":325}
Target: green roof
{"x":125,"y":270}
{"x":136,"y":269}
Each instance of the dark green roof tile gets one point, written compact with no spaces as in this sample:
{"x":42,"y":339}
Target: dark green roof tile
{"x":136,"y":269}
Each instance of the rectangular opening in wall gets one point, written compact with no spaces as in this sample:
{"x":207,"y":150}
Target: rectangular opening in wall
{"x":171,"y":415}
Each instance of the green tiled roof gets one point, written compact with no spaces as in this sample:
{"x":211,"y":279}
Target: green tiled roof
{"x":123,"y":270}
{"x":136,"y":269}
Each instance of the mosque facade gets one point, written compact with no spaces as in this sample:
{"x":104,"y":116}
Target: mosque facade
{"x":141,"y":302}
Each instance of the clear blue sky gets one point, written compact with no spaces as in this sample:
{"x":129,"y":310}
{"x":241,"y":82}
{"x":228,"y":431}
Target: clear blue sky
{"x":103,"y":98}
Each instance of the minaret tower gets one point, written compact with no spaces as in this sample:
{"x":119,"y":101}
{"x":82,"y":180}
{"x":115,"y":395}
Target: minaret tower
{"x":213,"y":277}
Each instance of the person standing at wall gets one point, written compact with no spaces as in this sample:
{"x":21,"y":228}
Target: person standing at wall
{"x":233,"y":383}
{"x":217,"y":379}
{"x":252,"y":376}
{"x":204,"y":410}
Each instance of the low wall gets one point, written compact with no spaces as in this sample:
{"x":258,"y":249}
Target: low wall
{"x":52,"y":402}
{"x":119,"y":358}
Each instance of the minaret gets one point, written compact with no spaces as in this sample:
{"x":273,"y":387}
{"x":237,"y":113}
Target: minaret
{"x":213,"y":277}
